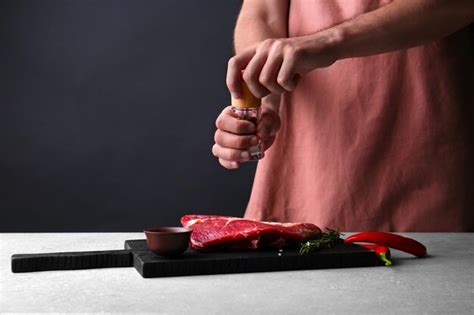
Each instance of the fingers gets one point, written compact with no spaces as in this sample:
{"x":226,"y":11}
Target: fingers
{"x":234,"y":71}
{"x":233,"y":149}
{"x":269,"y":73}
{"x":228,"y":122}
{"x":231,"y":165}
{"x":286,"y":77}
{"x":252,"y":71}
{"x":233,"y":138}
{"x":230,"y":154}
{"x":270,"y":67}
{"x":230,"y":140}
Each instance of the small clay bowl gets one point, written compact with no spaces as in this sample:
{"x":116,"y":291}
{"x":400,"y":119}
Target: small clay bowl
{"x":167,"y":241}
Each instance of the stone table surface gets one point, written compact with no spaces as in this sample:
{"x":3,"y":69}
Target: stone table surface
{"x":439,"y":284}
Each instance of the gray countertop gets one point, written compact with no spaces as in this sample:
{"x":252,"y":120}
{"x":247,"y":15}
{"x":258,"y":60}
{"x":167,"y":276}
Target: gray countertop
{"x":440,"y":284}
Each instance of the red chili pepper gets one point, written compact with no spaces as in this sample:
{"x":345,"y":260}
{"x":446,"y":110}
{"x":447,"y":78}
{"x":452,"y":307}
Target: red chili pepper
{"x":395,"y":241}
{"x":382,"y":251}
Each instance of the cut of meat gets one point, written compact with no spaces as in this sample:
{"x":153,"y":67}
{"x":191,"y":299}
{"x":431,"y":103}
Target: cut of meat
{"x":211,"y":232}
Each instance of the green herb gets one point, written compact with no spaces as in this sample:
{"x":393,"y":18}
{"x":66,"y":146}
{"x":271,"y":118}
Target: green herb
{"x":327,"y":239}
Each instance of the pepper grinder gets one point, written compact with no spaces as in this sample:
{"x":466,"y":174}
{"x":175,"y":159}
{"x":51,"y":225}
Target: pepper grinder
{"x":248,"y":108}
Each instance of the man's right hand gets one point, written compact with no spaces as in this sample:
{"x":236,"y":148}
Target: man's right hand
{"x":234,"y":136}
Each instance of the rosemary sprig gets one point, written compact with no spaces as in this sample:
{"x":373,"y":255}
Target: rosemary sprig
{"x":327,"y":239}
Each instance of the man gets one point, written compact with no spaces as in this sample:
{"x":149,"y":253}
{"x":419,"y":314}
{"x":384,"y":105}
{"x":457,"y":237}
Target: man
{"x":374,"y":99}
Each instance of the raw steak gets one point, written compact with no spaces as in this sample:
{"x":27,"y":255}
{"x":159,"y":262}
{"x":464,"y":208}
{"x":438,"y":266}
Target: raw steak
{"x":212,"y":232}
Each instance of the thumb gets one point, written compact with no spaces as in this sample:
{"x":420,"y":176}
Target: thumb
{"x":268,"y":126}
{"x":268,"y":143}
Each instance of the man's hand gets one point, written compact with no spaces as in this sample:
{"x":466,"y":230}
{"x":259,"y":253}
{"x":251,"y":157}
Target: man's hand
{"x":275,"y":65}
{"x":234,"y":137}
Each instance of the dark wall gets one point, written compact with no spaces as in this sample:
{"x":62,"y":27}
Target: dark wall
{"x":107,"y":113}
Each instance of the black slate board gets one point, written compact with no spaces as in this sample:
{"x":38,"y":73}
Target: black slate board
{"x":71,"y":260}
{"x":193,"y":262}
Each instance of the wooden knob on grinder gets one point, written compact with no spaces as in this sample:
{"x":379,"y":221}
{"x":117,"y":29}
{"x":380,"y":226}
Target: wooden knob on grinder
{"x":248,"y":100}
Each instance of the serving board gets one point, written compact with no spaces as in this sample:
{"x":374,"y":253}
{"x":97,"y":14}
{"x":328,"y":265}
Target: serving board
{"x":71,"y":260}
{"x":193,"y":262}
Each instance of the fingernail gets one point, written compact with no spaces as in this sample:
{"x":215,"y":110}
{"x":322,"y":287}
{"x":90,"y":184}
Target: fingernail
{"x":245,"y":155}
{"x":251,"y":128}
{"x":234,"y":164}
{"x":254,"y":141}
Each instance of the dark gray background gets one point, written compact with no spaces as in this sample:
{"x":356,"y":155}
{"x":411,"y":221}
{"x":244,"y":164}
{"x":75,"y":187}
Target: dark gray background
{"x":107,"y":113}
